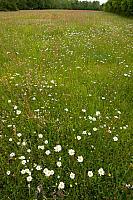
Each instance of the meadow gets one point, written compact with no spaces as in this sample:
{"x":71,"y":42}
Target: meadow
{"x":66,"y":106}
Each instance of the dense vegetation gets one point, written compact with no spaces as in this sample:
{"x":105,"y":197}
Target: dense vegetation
{"x":124,"y":7}
{"x":48,"y":4}
{"x":66,"y":105}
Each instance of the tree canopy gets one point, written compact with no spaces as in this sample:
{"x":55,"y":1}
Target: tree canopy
{"x":48,"y":4}
{"x":124,"y":7}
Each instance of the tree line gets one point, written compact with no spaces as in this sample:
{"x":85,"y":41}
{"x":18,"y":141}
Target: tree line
{"x":6,"y":5}
{"x":124,"y":7}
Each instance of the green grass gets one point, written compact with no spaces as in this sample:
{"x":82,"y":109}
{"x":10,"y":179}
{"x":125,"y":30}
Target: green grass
{"x":51,"y":61}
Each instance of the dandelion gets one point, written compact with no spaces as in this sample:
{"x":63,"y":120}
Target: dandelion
{"x":80,"y":159}
{"x":72,"y":175}
{"x":29,"y":178}
{"x":8,"y":173}
{"x":115,"y":139}
{"x":101,"y":172}
{"x":71,"y":152}
{"x":61,"y":186}
{"x":57,"y":148}
{"x":90,"y":173}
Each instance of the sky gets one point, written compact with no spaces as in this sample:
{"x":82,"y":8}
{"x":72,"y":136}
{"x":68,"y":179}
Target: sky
{"x":101,"y":1}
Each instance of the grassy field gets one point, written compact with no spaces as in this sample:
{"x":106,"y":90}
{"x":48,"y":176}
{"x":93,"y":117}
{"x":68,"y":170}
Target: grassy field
{"x":66,"y":105}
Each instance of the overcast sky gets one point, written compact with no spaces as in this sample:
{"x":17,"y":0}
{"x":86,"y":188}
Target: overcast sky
{"x":101,"y":1}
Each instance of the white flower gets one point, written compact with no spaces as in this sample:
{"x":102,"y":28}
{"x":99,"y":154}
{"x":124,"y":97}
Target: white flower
{"x":72,"y":175}
{"x":61,"y":185}
{"x":97,"y":113}
{"x":29,"y":178}
{"x":84,"y":132}
{"x":80,"y":158}
{"x":22,"y":171}
{"x":38,"y":167}
{"x":47,"y":172}
{"x":9,"y":101}
{"x":66,"y":109}
{"x":71,"y":152}
{"x":57,"y":148}
{"x":41,"y":147}
{"x":28,"y":150}
{"x":83,"y":110}
{"x":23,"y":162}
{"x":18,"y":112}
{"x":115,"y":139}
{"x":22,"y":157}
{"x":23,"y":143}
{"x":27,"y":171}
{"x":15,"y":107}
{"x":58,"y":164}
{"x":10,"y":139}
{"x":46,"y":141}
{"x":40,"y":135}
{"x":78,"y":137}
{"x":94,"y":129}
{"x":8,"y":173}
{"x":101,"y":172}
{"x":51,"y":172}
{"x":47,"y":152}
{"x":19,"y":134}
{"x":90,"y":173}
{"x":12,"y":154}
{"x":89,"y":133}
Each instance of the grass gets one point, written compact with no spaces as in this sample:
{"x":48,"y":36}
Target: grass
{"x":58,"y":69}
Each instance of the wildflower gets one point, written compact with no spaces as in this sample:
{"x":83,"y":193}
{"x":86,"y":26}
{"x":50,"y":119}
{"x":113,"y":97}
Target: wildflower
{"x":29,"y":178}
{"x":8,"y":173}
{"x":94,"y":129}
{"x":71,"y":152}
{"x":80,"y":158}
{"x":24,"y":143}
{"x":58,"y":164}
{"x":28,"y":150}
{"x":38,"y":167}
{"x":22,"y":157}
{"x":78,"y":137}
{"x":101,"y":172}
{"x":90,"y":173}
{"x":66,"y":109}
{"x":97,"y":113}
{"x":46,"y":141}
{"x":22,"y":171}
{"x":47,"y":172}
{"x":19,"y":134}
{"x":83,"y":110}
{"x":27,"y":171}
{"x":23,"y":162}
{"x":61,"y":186}
{"x":47,"y":152}
{"x":9,"y":101}
{"x":115,"y":138}
{"x":52,"y":172}
{"x":15,"y":107}
{"x":18,"y":112}
{"x":84,"y":132}
{"x":12,"y":154}
{"x":72,"y":175}
{"x":40,"y":135}
{"x":57,"y":148}
{"x":41,"y":147}
{"x":10,"y":139}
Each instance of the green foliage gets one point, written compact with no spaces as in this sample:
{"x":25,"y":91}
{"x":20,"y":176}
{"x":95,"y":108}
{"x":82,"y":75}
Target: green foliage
{"x":124,"y":7}
{"x":48,"y":4}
